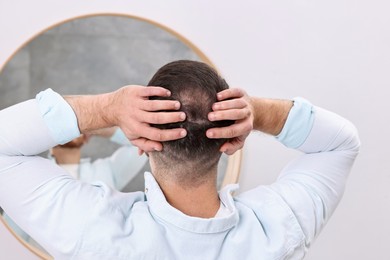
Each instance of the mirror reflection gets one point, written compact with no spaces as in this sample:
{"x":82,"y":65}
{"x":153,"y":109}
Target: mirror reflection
{"x":94,"y":55}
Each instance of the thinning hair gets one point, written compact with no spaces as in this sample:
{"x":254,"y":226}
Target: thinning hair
{"x":195,"y":85}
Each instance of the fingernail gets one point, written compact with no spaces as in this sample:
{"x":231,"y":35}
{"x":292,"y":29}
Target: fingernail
{"x":210,"y":134}
{"x":183,"y":133}
{"x":177,"y":105}
{"x":211,"y":116}
{"x":168,"y":93}
{"x":219,"y":96}
{"x":182,"y":116}
{"x":216,"y":106}
{"x":156,"y":149}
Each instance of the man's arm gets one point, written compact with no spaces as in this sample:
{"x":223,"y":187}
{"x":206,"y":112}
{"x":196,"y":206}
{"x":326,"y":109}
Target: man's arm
{"x":312,"y":185}
{"x":131,"y":110}
{"x":270,"y":115}
{"x":105,"y":132}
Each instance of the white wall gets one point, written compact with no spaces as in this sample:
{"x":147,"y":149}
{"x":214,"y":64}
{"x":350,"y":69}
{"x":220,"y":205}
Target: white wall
{"x":335,"y":53}
{"x":11,"y":248}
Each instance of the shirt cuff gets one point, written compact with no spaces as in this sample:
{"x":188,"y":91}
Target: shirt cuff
{"x":119,"y":137}
{"x":58,"y":116}
{"x":298,"y":124}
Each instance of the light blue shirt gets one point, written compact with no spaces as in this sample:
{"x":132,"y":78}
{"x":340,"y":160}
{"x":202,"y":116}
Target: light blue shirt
{"x":75,"y":220}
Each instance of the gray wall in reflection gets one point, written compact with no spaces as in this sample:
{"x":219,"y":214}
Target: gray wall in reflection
{"x":90,"y":55}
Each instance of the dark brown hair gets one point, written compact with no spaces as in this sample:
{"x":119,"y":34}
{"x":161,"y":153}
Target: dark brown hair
{"x":195,"y":85}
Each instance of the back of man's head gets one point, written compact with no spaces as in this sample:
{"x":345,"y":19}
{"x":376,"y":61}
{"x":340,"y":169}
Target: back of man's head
{"x":195,"y":85}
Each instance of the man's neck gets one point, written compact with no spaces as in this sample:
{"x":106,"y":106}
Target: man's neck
{"x":201,"y":201}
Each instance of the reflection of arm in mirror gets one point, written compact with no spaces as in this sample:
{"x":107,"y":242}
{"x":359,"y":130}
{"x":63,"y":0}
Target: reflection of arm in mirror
{"x":116,"y":170}
{"x":181,"y":214}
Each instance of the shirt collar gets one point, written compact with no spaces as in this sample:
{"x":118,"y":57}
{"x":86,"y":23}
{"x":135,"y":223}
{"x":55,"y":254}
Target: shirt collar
{"x":161,"y":209}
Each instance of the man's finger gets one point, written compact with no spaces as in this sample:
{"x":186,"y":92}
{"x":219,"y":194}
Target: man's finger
{"x":230,"y":93}
{"x":162,"y":135}
{"x":157,"y":105}
{"x":145,"y":145}
{"x":236,"y":103}
{"x":154,"y":91}
{"x":230,"y":148}
{"x":162,"y":117}
{"x":235,"y":130}
{"x":231,"y":114}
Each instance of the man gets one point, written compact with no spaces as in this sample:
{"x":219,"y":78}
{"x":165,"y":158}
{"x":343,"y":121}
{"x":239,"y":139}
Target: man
{"x":180,"y":215}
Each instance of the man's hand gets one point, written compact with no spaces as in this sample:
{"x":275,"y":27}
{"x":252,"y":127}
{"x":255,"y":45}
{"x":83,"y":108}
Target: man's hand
{"x":131,"y":110}
{"x":135,"y":118}
{"x":233,"y":104}
{"x":265,"y":115}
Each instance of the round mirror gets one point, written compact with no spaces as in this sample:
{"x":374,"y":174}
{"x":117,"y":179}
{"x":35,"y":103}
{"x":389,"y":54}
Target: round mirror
{"x":90,"y":55}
